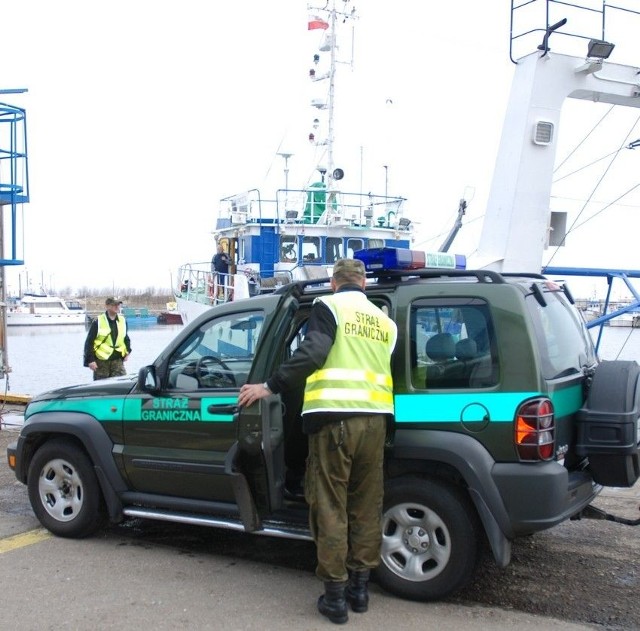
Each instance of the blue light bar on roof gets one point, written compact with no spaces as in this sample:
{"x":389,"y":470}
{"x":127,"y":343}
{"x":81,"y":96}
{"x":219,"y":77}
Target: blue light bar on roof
{"x":380,"y":259}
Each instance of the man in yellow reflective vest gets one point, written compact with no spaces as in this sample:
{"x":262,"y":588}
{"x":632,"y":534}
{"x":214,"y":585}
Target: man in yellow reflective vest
{"x":107,"y":345}
{"x":344,"y":363}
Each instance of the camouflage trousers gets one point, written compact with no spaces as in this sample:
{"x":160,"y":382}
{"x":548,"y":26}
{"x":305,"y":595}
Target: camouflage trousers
{"x":344,"y":490}
{"x":109,"y":368}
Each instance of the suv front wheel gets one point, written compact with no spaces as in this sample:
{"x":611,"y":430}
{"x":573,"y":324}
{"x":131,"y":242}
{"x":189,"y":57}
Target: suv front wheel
{"x":64,"y":491}
{"x":429,"y":539}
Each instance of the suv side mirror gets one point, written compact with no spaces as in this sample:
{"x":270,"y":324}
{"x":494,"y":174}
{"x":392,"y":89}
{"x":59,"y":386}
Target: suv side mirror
{"x":147,"y":379}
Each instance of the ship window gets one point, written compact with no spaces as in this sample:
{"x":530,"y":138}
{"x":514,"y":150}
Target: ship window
{"x":376,"y":243}
{"x":288,"y":249}
{"x":353,"y":245}
{"x":334,"y":249}
{"x":239,"y":246}
{"x":311,"y":249}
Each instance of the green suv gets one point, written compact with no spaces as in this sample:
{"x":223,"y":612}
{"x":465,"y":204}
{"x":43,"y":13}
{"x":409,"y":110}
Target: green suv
{"x":505,"y":424}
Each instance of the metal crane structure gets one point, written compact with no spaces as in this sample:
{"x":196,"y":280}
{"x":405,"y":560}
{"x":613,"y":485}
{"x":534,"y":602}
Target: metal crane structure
{"x":519,"y":224}
{"x":14,"y":191}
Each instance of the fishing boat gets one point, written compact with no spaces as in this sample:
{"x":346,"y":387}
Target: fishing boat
{"x":43,"y":309}
{"x":296,"y":233}
{"x":138,"y":317}
{"x":299,"y":233}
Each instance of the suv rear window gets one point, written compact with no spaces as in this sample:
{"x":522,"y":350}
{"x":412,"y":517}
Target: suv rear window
{"x":452,"y":344}
{"x":563,"y":340}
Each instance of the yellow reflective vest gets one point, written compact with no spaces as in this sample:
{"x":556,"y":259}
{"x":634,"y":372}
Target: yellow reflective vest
{"x":356,"y":376}
{"x":103,"y":344}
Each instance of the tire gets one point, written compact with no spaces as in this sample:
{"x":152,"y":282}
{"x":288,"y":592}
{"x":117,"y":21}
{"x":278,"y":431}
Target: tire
{"x":614,"y":387}
{"x":429,"y":539}
{"x":608,"y":424}
{"x":64,"y":491}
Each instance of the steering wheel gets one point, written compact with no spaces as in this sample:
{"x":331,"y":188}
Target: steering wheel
{"x":212,"y":372}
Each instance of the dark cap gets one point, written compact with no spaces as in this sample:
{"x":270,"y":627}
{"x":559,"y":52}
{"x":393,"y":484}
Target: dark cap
{"x":112,"y":301}
{"x":349,"y":269}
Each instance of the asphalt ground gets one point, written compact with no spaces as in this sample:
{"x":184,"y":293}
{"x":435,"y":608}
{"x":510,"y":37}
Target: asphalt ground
{"x":152,"y":575}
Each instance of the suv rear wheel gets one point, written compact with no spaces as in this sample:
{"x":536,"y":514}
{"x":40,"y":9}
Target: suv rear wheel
{"x":64,"y":491}
{"x":429,"y":539}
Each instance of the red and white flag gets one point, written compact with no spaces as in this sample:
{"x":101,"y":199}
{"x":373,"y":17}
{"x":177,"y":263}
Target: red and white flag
{"x":315,"y":22}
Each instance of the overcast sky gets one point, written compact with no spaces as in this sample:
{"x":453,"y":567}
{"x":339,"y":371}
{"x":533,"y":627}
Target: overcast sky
{"x":142,"y":114}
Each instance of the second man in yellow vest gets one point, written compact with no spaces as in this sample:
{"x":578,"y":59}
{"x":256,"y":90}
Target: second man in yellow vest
{"x":107,"y":345}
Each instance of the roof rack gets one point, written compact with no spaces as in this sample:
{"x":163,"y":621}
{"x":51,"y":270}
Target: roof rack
{"x":524,"y":275}
{"x":482,"y":276}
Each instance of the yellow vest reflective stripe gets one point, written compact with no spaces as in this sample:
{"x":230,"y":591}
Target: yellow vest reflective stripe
{"x":365,"y":337}
{"x":344,"y":374}
{"x":103,"y":345}
{"x":349,"y":394}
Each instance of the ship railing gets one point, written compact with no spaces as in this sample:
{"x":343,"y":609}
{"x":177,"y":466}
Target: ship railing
{"x":313,"y":205}
{"x":197,"y":284}
{"x":536,"y":24}
{"x":194,"y":283}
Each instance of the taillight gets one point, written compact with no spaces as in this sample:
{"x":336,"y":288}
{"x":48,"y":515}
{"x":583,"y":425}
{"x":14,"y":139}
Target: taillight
{"x":535,"y":430}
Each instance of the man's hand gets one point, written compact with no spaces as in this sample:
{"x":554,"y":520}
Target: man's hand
{"x":251,"y":392}
{"x":92,"y":366}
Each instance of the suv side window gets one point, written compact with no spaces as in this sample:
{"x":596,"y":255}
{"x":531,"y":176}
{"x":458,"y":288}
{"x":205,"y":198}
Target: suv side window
{"x":218,"y":354}
{"x":452,"y":344}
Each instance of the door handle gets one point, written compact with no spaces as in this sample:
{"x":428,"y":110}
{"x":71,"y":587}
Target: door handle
{"x":223,"y":408}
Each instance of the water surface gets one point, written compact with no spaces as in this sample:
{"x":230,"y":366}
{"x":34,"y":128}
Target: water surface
{"x":47,"y":357}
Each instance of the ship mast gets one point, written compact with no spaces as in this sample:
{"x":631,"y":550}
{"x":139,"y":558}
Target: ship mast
{"x":330,"y":44}
{"x":332,"y":86}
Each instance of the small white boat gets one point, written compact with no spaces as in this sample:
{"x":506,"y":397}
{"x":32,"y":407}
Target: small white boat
{"x":629,"y":320}
{"x":41,"y":309}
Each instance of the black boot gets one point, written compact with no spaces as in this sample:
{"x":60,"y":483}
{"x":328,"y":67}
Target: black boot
{"x":357,"y":590}
{"x":333,"y":603}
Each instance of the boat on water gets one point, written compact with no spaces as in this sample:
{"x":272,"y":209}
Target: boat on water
{"x":626,"y":320}
{"x":136,"y":317}
{"x":139,"y":317}
{"x":43,"y":309}
{"x":297,"y":234}
{"x":170,"y":316}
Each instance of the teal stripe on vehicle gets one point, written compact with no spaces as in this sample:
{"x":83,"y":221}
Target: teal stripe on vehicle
{"x":101,"y":409}
{"x":502,"y":406}
{"x":445,"y":408}
{"x":131,"y":409}
{"x":567,"y":400}
{"x":179,"y":409}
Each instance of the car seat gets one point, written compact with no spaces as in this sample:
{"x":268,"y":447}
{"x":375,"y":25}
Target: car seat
{"x":441,"y":349}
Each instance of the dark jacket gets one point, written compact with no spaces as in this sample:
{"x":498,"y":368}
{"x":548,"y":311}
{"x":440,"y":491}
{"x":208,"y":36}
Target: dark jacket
{"x":220,"y":263}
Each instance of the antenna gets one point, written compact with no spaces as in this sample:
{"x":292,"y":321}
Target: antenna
{"x":286,"y":157}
